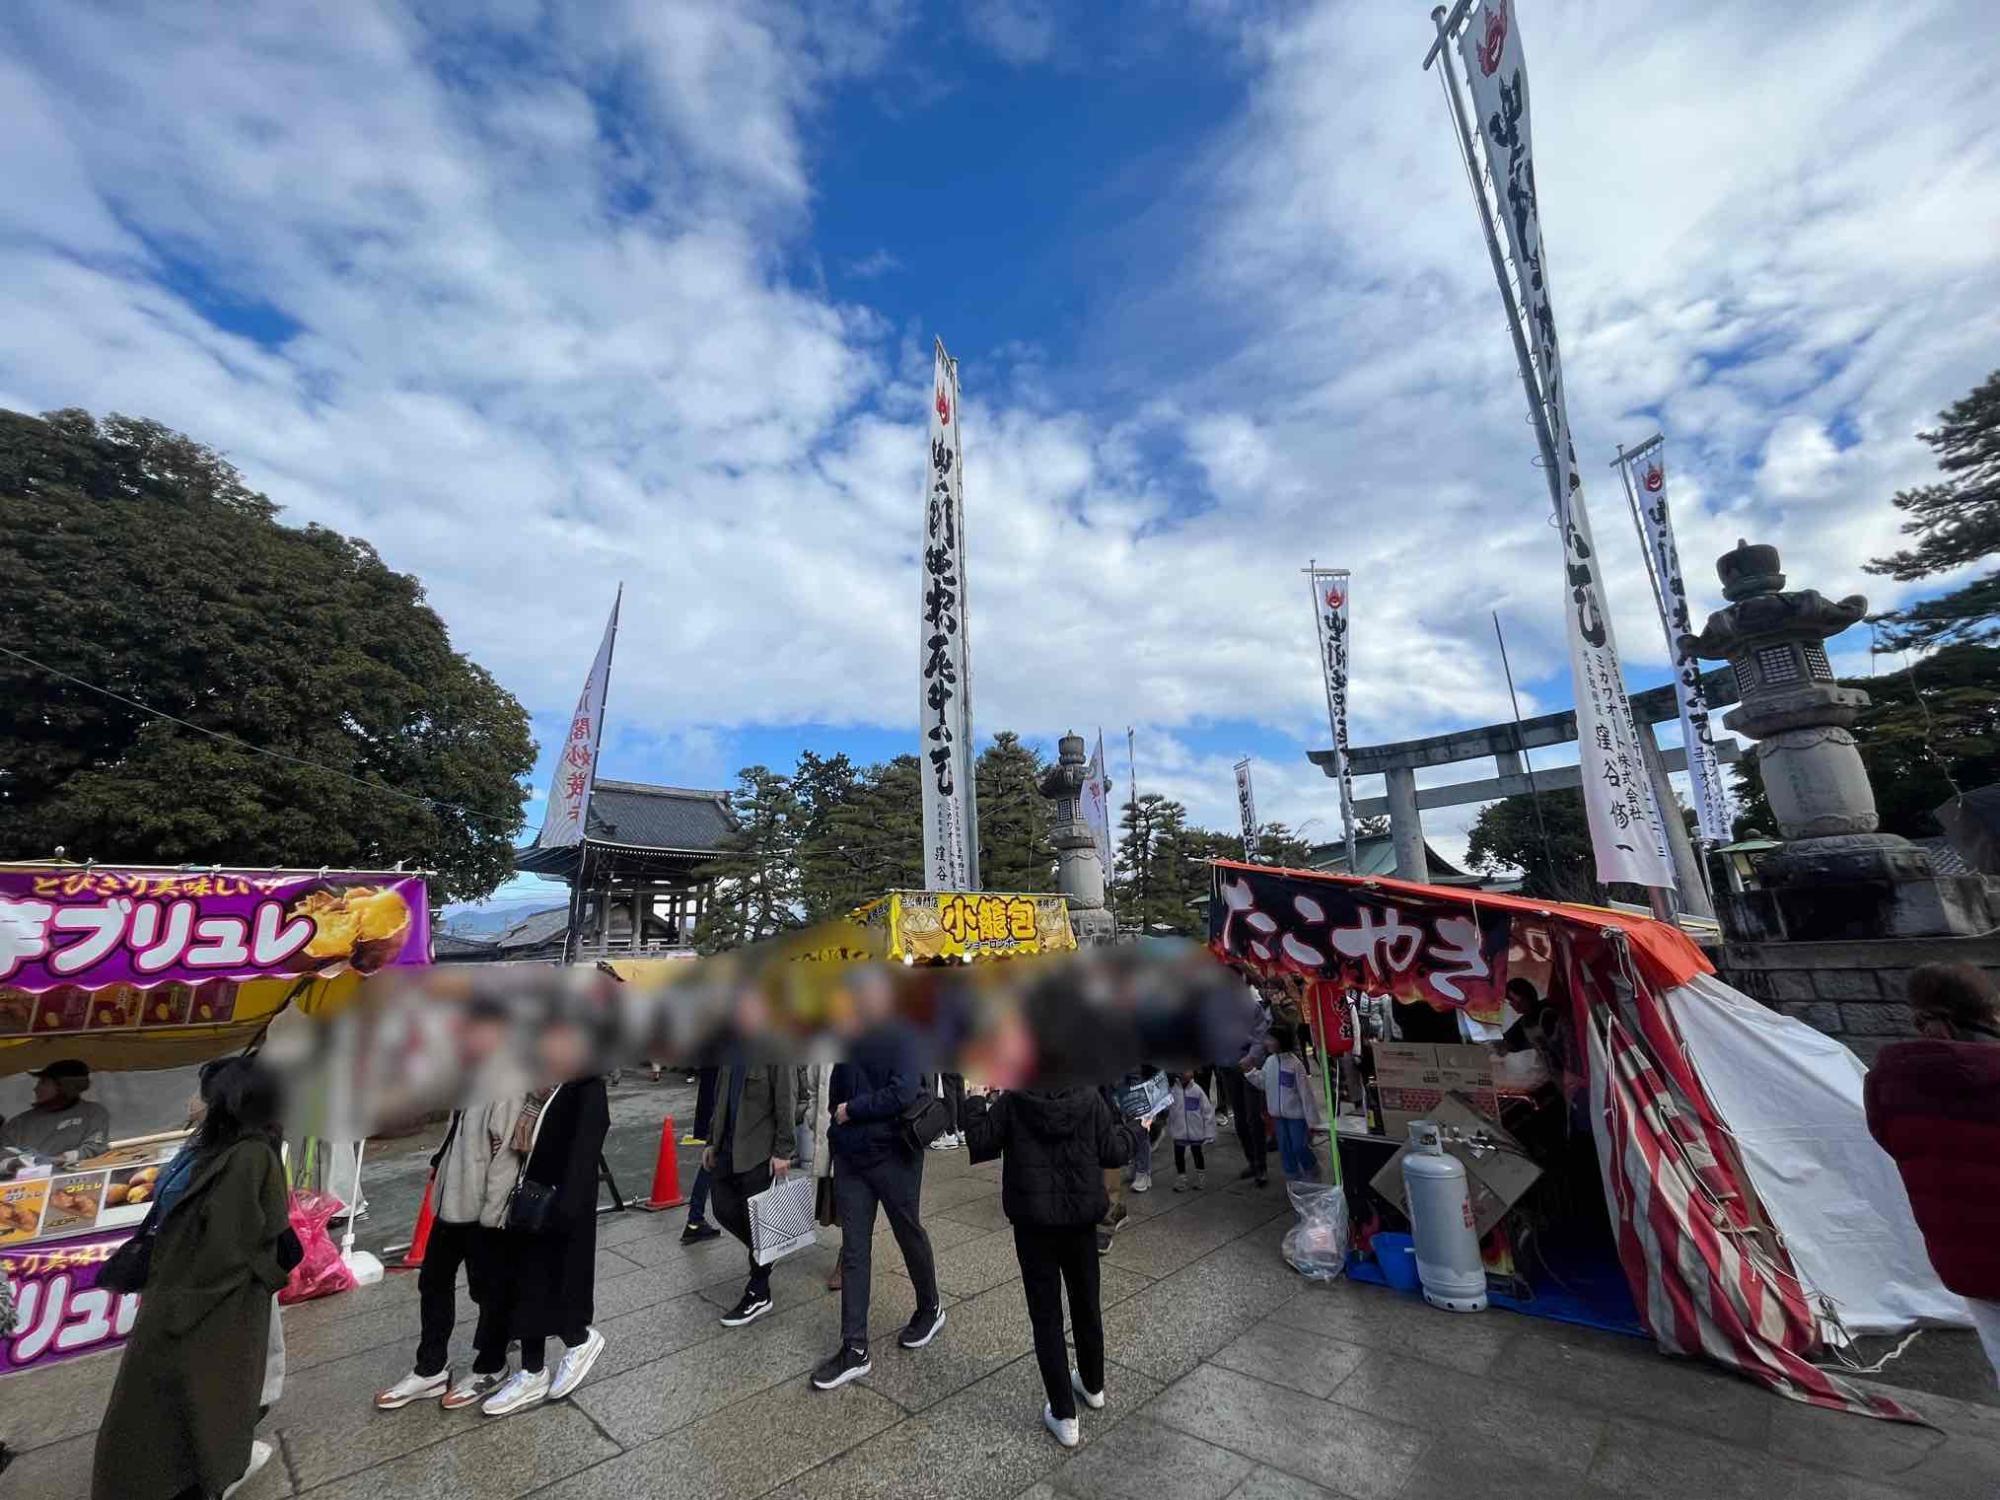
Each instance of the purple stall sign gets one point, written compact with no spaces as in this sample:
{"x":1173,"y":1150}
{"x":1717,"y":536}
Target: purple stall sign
{"x":60,"y":1312}
{"x":77,"y":929}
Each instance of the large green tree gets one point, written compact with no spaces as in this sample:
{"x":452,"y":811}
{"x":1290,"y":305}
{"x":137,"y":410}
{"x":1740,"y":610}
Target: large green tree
{"x":1014,"y":852}
{"x":1552,"y":852}
{"x":1956,"y":523}
{"x":137,"y":560}
{"x":756,"y":871}
{"x":869,"y":842}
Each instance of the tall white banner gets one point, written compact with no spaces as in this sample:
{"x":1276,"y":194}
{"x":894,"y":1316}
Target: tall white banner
{"x":1246,"y":807}
{"x":951,"y":836}
{"x":1646,"y":475}
{"x":563,"y":820}
{"x":1625,"y":828}
{"x":1331,"y":590}
{"x":1097,"y":806}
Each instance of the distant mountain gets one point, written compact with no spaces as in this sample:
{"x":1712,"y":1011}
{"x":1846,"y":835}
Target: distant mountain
{"x":490,"y":919}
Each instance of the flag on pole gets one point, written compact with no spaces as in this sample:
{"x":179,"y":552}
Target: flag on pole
{"x":1625,"y":827}
{"x":1646,"y":478}
{"x":1246,"y":806}
{"x":564,"y":819}
{"x":951,"y":850}
{"x":1097,"y":806}
{"x":1331,"y":590}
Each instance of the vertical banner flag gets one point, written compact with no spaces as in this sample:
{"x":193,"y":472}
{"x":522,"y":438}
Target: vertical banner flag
{"x":1331,"y":588}
{"x":950,"y":851}
{"x":1097,"y":806}
{"x":1246,"y":806}
{"x":1625,"y":828}
{"x":1646,"y":476}
{"x":576,"y":768}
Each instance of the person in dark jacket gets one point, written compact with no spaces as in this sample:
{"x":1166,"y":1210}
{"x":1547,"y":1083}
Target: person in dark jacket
{"x":551,"y":1271}
{"x":182,"y":1410}
{"x":874,"y":1166}
{"x":1055,"y":1146}
{"x":1934,"y":1105}
{"x":750,"y":1146}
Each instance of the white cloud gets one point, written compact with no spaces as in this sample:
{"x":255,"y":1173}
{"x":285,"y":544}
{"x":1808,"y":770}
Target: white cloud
{"x":1020,"y":31}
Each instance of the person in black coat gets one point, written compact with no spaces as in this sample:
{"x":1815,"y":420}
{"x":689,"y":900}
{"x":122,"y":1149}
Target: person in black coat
{"x":1055,"y":1146}
{"x":875,"y":1165}
{"x":551,"y":1269}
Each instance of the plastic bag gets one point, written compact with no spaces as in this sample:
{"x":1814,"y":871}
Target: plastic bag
{"x":322,"y":1272}
{"x":1316,"y":1246}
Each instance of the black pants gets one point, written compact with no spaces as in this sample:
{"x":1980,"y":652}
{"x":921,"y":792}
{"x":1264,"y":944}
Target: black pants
{"x":452,"y":1246}
{"x":1181,"y":1149}
{"x":729,"y":1197}
{"x":704,"y":1101}
{"x":896,"y":1185}
{"x":1246,"y":1108}
{"x":954,"y":1100}
{"x":1050,"y":1260}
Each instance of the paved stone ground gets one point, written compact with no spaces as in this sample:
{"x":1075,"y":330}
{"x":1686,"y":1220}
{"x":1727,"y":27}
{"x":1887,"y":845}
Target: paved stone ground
{"x":1230,"y":1377}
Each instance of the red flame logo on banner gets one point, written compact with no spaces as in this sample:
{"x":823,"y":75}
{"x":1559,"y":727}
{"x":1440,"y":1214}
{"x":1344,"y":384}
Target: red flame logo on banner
{"x":1495,"y":39}
{"x":1335,"y":598}
{"x":1654,"y":480}
{"x":943,"y":406}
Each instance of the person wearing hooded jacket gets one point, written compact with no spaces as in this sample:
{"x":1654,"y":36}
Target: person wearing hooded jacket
{"x":1055,"y":1146}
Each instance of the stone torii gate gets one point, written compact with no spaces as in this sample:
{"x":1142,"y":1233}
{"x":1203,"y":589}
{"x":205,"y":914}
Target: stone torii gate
{"x":1405,"y":802}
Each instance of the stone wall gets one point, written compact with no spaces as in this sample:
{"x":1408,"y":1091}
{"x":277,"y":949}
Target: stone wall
{"x":1851,"y":990}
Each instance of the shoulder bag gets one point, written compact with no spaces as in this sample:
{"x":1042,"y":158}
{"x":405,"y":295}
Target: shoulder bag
{"x":924,"y":1121}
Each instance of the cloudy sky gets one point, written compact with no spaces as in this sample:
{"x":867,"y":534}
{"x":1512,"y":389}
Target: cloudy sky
{"x":540,"y":297}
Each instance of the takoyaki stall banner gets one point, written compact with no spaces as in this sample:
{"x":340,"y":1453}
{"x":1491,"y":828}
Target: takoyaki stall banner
{"x":1448,"y":954}
{"x":77,"y":930}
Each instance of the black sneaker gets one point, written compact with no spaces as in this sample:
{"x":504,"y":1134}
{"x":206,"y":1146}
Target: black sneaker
{"x":748,"y":1310}
{"x":921,"y":1329}
{"x":694,"y":1234}
{"x":849,"y":1364}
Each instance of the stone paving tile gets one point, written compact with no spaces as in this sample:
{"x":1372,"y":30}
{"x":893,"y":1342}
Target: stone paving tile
{"x":1142,"y":1460}
{"x":983,"y":1213}
{"x":1487,"y":1414}
{"x":655,"y":1331}
{"x":1376,"y":1318}
{"x":1456,"y":1470}
{"x":51,"y":1404}
{"x":1175,"y":1324}
{"x":330,"y":1425}
{"x":495,"y":1459}
{"x":980,"y":1335}
{"x":708,"y":1259}
{"x":1161,"y":1245}
{"x":1632,"y":1378}
{"x":743,"y":1450}
{"x":1852,"y":1445}
{"x":1288,"y":1356}
{"x":1115,"y":1286}
{"x":1641,"y":1459}
{"x":973,"y":1267}
{"x":1352,"y":1452}
{"x":55,"y":1471}
{"x":1275,"y":1484}
{"x":395,"y":1324}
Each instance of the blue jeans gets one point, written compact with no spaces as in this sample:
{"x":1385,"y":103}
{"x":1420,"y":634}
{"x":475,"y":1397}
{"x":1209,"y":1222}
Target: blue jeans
{"x":698,"y":1198}
{"x":1295,"y":1152}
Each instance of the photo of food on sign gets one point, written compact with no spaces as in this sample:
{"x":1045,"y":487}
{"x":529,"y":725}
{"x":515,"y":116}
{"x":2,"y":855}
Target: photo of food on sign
{"x":21,"y":1209}
{"x":362,"y":926}
{"x":73,"y":1201}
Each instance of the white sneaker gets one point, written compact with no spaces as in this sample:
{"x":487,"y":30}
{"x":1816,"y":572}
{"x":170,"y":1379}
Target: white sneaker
{"x":955,"y":1142}
{"x":1095,"y":1401}
{"x":942,"y":1143}
{"x":522,"y":1390}
{"x":1142,"y":1182}
{"x":575,"y":1364}
{"x":260,"y":1454}
{"x":1064,"y":1429}
{"x":413,"y":1387}
{"x":472,"y":1390}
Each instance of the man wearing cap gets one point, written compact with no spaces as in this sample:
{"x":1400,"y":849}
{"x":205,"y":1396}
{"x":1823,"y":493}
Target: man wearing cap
{"x":60,"y":1125}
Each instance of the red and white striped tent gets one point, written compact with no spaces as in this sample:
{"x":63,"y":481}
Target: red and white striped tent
{"x":1717,"y":1218}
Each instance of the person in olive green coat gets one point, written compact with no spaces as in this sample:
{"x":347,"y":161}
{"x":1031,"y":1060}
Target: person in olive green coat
{"x":186,"y":1398}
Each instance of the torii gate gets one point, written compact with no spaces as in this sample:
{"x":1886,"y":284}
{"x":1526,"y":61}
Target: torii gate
{"x":1398,"y":764}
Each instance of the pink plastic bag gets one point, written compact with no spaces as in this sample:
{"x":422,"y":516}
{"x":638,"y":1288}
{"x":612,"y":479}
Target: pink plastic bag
{"x":322,"y":1272}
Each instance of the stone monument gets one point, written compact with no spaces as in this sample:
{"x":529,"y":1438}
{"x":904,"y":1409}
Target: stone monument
{"x":1835,"y":877}
{"x":1079,"y":874}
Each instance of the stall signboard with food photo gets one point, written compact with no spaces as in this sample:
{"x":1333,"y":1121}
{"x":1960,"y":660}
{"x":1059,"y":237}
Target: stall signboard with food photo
{"x":101,"y":947}
{"x":60,"y":1312}
{"x":928,"y":926}
{"x":110,"y":1191}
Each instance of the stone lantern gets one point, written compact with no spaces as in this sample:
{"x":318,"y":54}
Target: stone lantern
{"x":1835,"y":876}
{"x":1079,"y":874}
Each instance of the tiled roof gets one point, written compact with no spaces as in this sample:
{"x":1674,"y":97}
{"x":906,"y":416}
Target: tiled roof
{"x":658,"y":817}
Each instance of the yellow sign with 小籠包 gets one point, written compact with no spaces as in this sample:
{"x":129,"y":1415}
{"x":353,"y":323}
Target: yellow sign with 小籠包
{"x":928,"y":926}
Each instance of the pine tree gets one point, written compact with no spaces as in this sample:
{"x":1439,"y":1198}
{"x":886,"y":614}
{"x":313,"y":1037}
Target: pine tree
{"x":1014,"y":851}
{"x":1956,"y":522}
{"x":756,"y":873}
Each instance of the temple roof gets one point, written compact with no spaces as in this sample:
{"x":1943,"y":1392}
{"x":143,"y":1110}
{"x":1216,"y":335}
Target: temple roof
{"x":632,"y":816}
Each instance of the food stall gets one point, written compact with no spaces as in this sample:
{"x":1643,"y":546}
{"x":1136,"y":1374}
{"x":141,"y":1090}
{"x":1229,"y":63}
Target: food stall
{"x":1609,"y":1095}
{"x":134,"y":968}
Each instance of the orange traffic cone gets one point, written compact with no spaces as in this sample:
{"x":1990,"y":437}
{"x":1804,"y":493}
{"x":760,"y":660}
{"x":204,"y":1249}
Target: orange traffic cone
{"x":421,"y":1235}
{"x":666,"y":1173}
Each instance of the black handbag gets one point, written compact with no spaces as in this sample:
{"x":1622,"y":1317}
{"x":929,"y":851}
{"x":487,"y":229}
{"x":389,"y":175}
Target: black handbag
{"x":924,"y":1121}
{"x":127,"y":1267}
{"x":531,"y":1207}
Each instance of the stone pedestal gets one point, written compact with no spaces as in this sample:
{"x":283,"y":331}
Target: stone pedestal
{"x":1835,"y":877}
{"x":1079,"y":874}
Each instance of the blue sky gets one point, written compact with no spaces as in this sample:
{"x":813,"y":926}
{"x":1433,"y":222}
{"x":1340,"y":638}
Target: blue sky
{"x":539,"y":298}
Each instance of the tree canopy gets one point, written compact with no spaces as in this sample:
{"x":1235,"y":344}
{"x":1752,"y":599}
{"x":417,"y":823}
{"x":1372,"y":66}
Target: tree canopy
{"x":140,"y":562}
{"x":1956,"y":523}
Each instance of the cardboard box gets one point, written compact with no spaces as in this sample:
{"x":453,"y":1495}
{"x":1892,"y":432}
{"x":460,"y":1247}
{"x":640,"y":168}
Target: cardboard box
{"x":1496,"y":1179}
